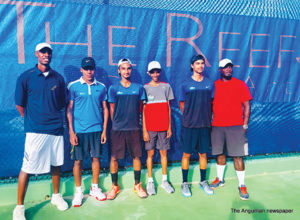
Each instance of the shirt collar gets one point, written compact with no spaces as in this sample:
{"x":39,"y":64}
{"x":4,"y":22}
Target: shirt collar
{"x":82,"y":81}
{"x":38,"y":72}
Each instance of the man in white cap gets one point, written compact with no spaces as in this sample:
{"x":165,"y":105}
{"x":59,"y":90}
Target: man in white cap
{"x":157,"y":129}
{"x":231,"y":112}
{"x":125,"y":100}
{"x":40,"y":98}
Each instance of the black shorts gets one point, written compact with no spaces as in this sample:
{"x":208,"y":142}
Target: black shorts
{"x":122,"y":139}
{"x":233,"y":137}
{"x":195,"y":139}
{"x":89,"y":144}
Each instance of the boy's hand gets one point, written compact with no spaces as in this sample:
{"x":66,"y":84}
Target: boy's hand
{"x":73,"y":139}
{"x":146,"y":136}
{"x":169,"y":133}
{"x":103,"y":138}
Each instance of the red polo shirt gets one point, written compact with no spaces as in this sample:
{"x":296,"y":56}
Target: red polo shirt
{"x":227,"y":104}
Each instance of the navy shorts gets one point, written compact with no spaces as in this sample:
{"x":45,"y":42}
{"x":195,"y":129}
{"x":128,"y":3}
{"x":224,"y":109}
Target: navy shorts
{"x":122,"y":139}
{"x":89,"y":144}
{"x":159,"y":140}
{"x":193,"y":139}
{"x":233,"y":137}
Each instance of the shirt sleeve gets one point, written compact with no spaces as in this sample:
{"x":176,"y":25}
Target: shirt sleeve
{"x":71,"y":93}
{"x":142,"y":93}
{"x":245,"y":93}
{"x":104,"y":94}
{"x":170,"y":94}
{"x":111,"y":94}
{"x":181,"y":93}
{"x":21,"y":92}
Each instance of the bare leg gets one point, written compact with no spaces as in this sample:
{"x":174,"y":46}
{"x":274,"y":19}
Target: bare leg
{"x":22,"y":187}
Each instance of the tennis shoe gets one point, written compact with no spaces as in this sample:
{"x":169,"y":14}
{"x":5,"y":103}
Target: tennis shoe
{"x":138,"y":189}
{"x":217,"y":183}
{"x":167,"y":186}
{"x":77,"y":200}
{"x":205,"y":187}
{"x":19,"y":213}
{"x":59,"y":202}
{"x":243,"y":192}
{"x":113,"y":192}
{"x":185,"y":190}
{"x":151,"y":188}
{"x":97,"y":193}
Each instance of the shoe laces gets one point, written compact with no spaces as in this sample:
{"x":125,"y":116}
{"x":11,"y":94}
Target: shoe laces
{"x":216,"y":180}
{"x":243,"y":189}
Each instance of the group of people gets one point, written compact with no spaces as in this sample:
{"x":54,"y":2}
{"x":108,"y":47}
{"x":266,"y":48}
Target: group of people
{"x":41,"y":97}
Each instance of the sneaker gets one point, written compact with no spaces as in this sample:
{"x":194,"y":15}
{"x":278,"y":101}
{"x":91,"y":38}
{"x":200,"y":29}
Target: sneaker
{"x":97,"y":193}
{"x":113,"y":192}
{"x":138,"y":189}
{"x":185,"y":189}
{"x":77,"y":200}
{"x":215,"y":184}
{"x":205,"y":187}
{"x":151,"y":188}
{"x":59,"y":202}
{"x":19,"y":213}
{"x":243,"y":192}
{"x":167,"y":186}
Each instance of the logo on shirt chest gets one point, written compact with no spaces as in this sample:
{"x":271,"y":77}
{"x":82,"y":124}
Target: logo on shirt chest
{"x":150,"y":97}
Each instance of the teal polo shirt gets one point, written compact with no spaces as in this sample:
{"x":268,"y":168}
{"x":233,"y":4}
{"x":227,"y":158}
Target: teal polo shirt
{"x":43,"y":99}
{"x":87,"y":105}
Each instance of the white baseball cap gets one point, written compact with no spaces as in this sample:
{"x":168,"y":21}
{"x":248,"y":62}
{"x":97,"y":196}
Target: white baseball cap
{"x":153,"y":65}
{"x":124,"y":60}
{"x":42,"y":45}
{"x":224,"y":62}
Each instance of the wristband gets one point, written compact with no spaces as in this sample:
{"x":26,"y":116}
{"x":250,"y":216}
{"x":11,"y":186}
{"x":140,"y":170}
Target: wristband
{"x":245,"y":127}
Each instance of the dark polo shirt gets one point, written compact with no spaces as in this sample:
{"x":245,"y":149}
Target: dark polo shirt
{"x":43,"y":99}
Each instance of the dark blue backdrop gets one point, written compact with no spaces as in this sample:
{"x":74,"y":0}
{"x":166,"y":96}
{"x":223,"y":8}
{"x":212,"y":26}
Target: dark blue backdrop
{"x":264,"y":50}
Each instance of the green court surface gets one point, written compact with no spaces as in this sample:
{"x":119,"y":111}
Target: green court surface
{"x":272,"y":182}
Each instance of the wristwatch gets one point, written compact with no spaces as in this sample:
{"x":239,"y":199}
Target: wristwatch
{"x":245,"y":127}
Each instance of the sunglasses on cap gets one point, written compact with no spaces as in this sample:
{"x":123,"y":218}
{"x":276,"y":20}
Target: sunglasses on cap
{"x":45,"y":49}
{"x":155,"y":70}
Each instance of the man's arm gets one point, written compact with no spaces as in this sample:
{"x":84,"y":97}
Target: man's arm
{"x":247,"y":110}
{"x":111,"y":109}
{"x":105,"y":119}
{"x":145,"y":132}
{"x":20,"y":110}
{"x":73,"y":137}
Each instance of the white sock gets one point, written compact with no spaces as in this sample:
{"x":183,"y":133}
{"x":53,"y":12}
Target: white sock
{"x":94,"y":185}
{"x":241,"y":177}
{"x":220,"y":171}
{"x":150,"y":179}
{"x":164,"y":177}
{"x":78,"y":189}
{"x":20,"y":206}
{"x":54,"y":195}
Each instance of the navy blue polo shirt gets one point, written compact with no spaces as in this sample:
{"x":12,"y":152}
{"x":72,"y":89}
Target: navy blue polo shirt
{"x":127,"y":106}
{"x":87,"y":106}
{"x":43,"y":99}
{"x":197,"y":108}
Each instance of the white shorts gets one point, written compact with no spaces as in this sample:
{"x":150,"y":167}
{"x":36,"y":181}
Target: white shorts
{"x":41,"y":152}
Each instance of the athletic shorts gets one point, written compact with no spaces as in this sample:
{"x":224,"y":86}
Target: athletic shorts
{"x":159,"y":140}
{"x":233,"y":137}
{"x":195,"y":139}
{"x":89,"y":144}
{"x":41,"y":152}
{"x":122,"y":139}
